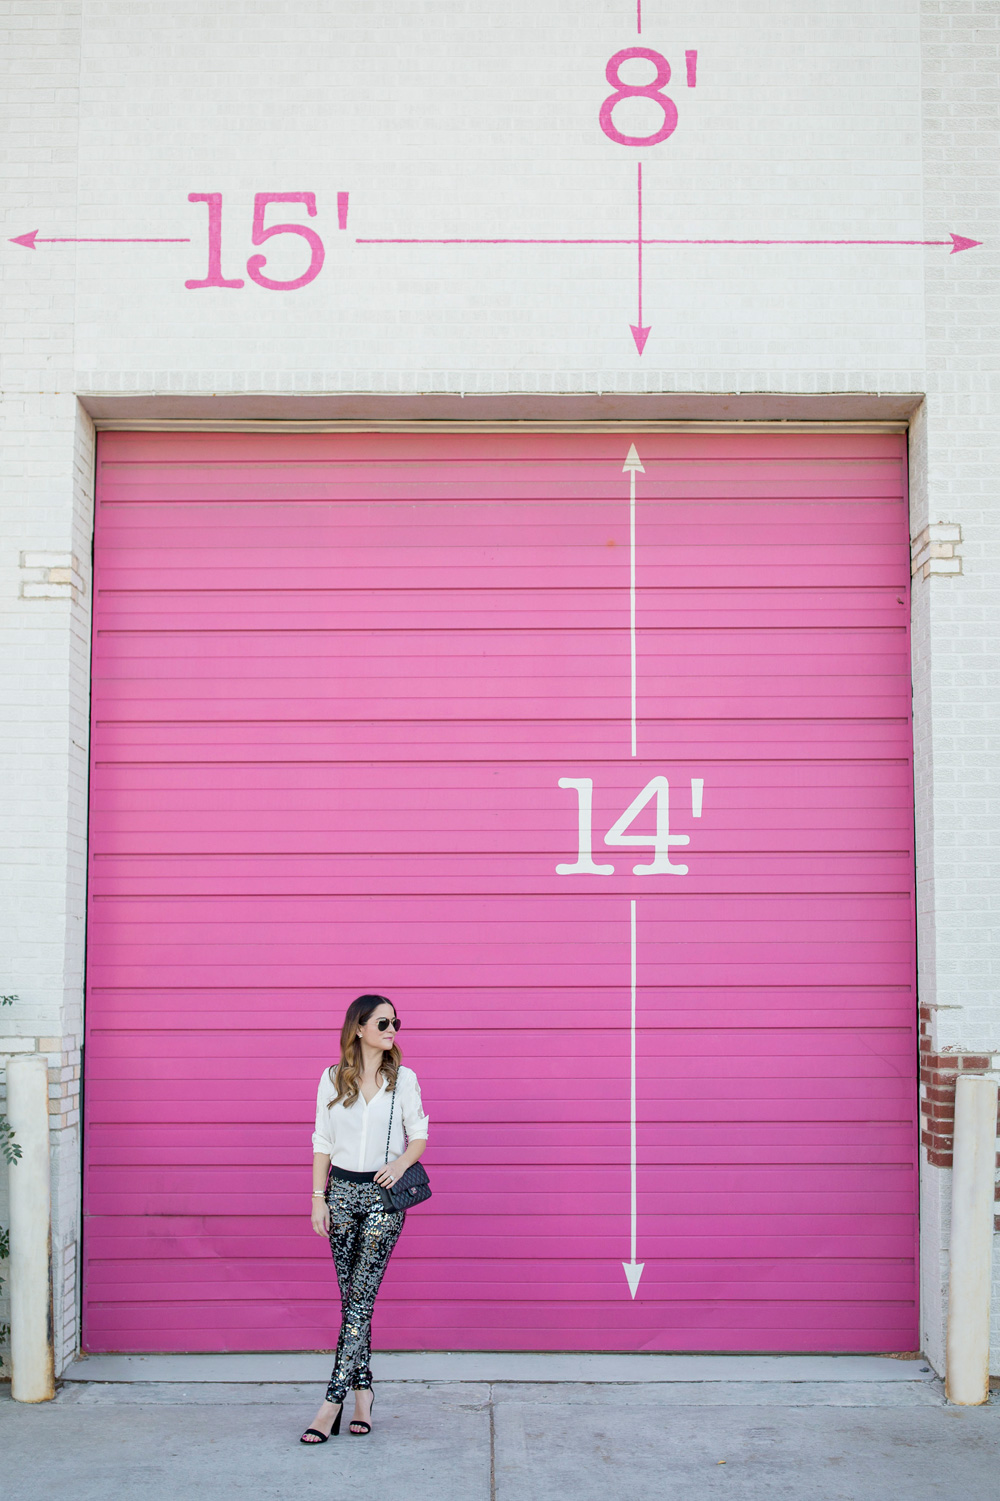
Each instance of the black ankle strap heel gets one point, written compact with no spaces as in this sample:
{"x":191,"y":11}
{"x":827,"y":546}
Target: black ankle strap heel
{"x":357,"y":1426}
{"x":321,"y":1438}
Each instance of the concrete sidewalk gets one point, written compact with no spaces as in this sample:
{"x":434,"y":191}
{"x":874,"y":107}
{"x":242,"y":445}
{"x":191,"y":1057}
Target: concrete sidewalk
{"x":868,"y":1434}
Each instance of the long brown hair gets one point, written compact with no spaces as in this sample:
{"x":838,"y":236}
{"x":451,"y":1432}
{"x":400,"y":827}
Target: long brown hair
{"x":346,"y":1076}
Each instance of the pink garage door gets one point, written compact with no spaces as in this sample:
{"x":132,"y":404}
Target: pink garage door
{"x":364,"y":710}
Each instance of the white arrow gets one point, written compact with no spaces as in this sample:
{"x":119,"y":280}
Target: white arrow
{"x":632,"y":464}
{"x":633,"y":1269}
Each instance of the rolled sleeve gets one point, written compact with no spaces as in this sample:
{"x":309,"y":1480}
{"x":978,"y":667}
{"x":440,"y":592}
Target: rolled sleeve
{"x":415,"y":1122}
{"x":321,"y":1135}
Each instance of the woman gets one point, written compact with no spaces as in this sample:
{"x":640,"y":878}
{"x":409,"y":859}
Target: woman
{"x":349,"y":1162}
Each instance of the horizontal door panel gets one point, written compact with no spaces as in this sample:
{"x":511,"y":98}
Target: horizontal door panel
{"x":747,"y":607}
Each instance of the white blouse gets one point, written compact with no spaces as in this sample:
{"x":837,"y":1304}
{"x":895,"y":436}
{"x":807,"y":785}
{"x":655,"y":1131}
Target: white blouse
{"x":354,"y":1136}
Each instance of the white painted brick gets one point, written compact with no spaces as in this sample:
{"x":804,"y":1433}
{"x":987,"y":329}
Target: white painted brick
{"x":48,"y":560}
{"x":47,"y":591}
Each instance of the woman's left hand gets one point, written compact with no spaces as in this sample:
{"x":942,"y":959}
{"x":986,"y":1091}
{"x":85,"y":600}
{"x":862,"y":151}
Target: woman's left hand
{"x":386,"y":1176}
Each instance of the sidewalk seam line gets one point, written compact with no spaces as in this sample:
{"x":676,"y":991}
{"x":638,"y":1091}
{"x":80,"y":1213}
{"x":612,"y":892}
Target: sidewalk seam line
{"x":493,"y":1473}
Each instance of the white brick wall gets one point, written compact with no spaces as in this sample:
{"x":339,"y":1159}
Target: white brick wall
{"x":46,"y":464}
{"x":46,"y":467}
{"x":837,"y":119}
{"x":957,"y":620}
{"x":474,"y":119}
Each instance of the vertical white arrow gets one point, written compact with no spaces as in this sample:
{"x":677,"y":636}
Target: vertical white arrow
{"x":633,"y":1268}
{"x":631,"y":466}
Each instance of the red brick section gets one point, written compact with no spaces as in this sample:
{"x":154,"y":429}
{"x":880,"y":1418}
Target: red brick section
{"x":938,"y":1073}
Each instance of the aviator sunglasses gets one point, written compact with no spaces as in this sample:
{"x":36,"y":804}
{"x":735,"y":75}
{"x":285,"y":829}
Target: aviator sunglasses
{"x":385,"y":1022}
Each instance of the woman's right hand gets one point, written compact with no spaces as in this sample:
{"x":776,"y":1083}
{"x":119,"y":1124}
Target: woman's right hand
{"x":320,"y":1217}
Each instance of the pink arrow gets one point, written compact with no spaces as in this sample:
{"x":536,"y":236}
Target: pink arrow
{"x":957,"y":242}
{"x":639,"y":333}
{"x":29,"y":240}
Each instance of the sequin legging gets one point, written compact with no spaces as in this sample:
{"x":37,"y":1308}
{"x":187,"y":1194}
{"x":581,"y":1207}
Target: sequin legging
{"x":362,"y":1235}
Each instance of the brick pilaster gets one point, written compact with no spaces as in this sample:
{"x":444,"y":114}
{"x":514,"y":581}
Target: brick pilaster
{"x":939,"y":1073}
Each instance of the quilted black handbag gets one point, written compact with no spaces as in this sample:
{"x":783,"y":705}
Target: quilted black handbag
{"x":414,"y":1185}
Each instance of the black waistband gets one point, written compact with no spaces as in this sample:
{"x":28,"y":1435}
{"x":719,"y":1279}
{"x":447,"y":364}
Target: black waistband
{"x":343,"y":1172}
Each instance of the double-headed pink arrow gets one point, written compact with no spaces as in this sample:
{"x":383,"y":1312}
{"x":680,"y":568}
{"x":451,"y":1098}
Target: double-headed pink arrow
{"x":640,"y":331}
